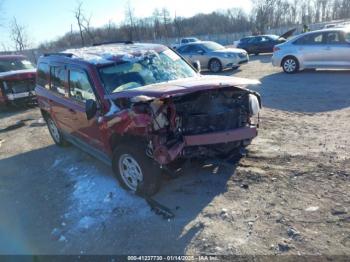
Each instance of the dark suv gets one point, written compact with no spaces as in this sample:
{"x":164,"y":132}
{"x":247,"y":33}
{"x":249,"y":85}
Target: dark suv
{"x":141,"y":107}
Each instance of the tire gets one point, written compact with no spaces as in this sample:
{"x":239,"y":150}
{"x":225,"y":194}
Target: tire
{"x":215,"y":65}
{"x":55,"y":133}
{"x":290,"y":65}
{"x":145,"y":176}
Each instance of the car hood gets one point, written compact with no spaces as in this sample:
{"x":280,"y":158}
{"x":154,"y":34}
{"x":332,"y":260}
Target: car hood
{"x":18,"y":74}
{"x":230,"y":50}
{"x":288,"y":33}
{"x":183,"y":86}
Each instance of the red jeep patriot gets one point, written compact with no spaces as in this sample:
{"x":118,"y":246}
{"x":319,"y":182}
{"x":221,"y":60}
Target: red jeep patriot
{"x":17,"y":80}
{"x":140,"y":107}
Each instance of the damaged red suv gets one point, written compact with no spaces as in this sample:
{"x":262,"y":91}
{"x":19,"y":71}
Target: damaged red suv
{"x":141,"y":107}
{"x":17,"y":80}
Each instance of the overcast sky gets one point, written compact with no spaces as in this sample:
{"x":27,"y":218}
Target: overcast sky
{"x":46,"y":20}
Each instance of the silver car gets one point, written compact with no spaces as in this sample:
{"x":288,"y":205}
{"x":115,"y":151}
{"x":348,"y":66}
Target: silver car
{"x":213,"y":56}
{"x":327,"y":48}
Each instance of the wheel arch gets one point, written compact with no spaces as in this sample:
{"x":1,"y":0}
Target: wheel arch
{"x":290,"y":56}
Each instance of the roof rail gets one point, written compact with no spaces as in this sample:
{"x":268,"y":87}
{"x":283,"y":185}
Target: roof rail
{"x":59,"y":54}
{"x":114,"y":42}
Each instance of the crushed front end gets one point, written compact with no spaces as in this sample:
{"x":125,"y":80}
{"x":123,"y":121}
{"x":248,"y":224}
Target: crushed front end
{"x":17,"y":88}
{"x":205,"y":123}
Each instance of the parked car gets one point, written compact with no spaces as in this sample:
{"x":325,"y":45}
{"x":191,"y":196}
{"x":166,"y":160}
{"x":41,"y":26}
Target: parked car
{"x":260,"y":44}
{"x":213,"y":56}
{"x":263,"y":43}
{"x":327,"y":48}
{"x":17,"y":80}
{"x":185,"y":40}
{"x":139,"y":107}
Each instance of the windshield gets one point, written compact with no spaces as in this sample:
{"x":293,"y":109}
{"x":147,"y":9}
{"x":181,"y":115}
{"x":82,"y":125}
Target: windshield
{"x":12,"y":65}
{"x":147,"y":69}
{"x":212,"y":46}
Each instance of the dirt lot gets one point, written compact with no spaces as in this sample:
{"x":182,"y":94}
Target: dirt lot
{"x":290,"y":195}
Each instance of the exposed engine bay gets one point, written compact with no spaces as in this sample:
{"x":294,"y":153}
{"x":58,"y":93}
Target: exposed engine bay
{"x":202,"y":123}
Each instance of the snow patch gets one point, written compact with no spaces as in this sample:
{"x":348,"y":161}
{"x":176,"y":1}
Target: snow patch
{"x":97,"y":198}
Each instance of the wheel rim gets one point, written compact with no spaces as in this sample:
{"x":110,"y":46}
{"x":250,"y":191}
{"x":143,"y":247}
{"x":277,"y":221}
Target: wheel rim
{"x":215,"y":66}
{"x":54,"y":130}
{"x":290,"y":65}
{"x":130,"y":171}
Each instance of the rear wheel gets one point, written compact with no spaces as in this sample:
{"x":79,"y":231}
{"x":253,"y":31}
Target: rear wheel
{"x":135,"y":171}
{"x":55,"y":132}
{"x":215,"y":65}
{"x":290,"y":65}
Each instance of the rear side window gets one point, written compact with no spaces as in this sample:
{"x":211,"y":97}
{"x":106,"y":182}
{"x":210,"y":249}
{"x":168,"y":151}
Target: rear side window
{"x":58,"y":80}
{"x":310,"y":39}
{"x":43,"y":75}
{"x":79,"y":86}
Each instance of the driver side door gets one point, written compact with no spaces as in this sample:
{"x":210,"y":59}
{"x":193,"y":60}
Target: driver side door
{"x":81,"y":90}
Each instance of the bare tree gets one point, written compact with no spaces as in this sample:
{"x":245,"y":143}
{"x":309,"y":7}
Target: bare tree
{"x":18,"y":35}
{"x":78,"y":13}
{"x":130,"y":20}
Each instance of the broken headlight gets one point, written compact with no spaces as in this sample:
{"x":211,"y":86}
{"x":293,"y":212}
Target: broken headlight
{"x":254,"y":105}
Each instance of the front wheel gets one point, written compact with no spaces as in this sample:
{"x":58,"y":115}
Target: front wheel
{"x":215,"y":65}
{"x":135,"y":171}
{"x":290,"y":65}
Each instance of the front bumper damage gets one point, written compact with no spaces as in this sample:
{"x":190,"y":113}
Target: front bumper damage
{"x":164,"y":155}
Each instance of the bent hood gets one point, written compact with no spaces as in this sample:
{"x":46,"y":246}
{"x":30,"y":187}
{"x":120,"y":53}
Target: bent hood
{"x":18,"y":74}
{"x":184,"y":86}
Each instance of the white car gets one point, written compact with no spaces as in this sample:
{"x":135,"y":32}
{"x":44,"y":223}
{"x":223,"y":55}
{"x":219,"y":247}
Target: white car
{"x":326,"y":48}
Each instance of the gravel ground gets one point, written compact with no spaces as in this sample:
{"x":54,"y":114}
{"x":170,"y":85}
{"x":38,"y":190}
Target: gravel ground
{"x":289,"y":195}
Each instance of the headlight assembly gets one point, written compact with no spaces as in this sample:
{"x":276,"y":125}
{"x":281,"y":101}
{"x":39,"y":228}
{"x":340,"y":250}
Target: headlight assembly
{"x":254,"y":106}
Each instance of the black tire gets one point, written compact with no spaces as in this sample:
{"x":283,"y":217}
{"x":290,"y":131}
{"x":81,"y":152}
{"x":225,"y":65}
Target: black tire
{"x":215,"y":65}
{"x":150,"y":170}
{"x":290,"y":65}
{"x":56,"y":135}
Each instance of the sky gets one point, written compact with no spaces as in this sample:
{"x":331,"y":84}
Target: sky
{"x":46,"y":20}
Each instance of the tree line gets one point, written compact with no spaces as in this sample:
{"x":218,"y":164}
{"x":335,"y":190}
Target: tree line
{"x":163,"y":25}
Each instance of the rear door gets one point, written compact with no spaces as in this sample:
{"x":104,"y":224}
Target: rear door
{"x":58,"y":97}
{"x":81,"y":90}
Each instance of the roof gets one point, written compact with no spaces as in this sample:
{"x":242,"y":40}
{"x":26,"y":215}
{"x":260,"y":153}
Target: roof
{"x":329,"y":30}
{"x":108,"y":53}
{"x":11,"y":57}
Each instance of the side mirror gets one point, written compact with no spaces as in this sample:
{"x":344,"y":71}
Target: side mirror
{"x":201,"y":52}
{"x":197,"y":66}
{"x":90,"y":108}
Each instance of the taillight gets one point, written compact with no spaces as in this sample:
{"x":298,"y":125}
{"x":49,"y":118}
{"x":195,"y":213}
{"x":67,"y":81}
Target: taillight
{"x":275,"y":48}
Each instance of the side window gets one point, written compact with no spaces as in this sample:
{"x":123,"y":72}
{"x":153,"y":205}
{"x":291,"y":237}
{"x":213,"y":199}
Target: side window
{"x":58,"y":80}
{"x":79,"y":86}
{"x":265,"y":39}
{"x":334,"y":38}
{"x":310,"y":39}
{"x":43,"y":75}
{"x":194,"y":49}
{"x":347,"y":37}
{"x":182,"y":49}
